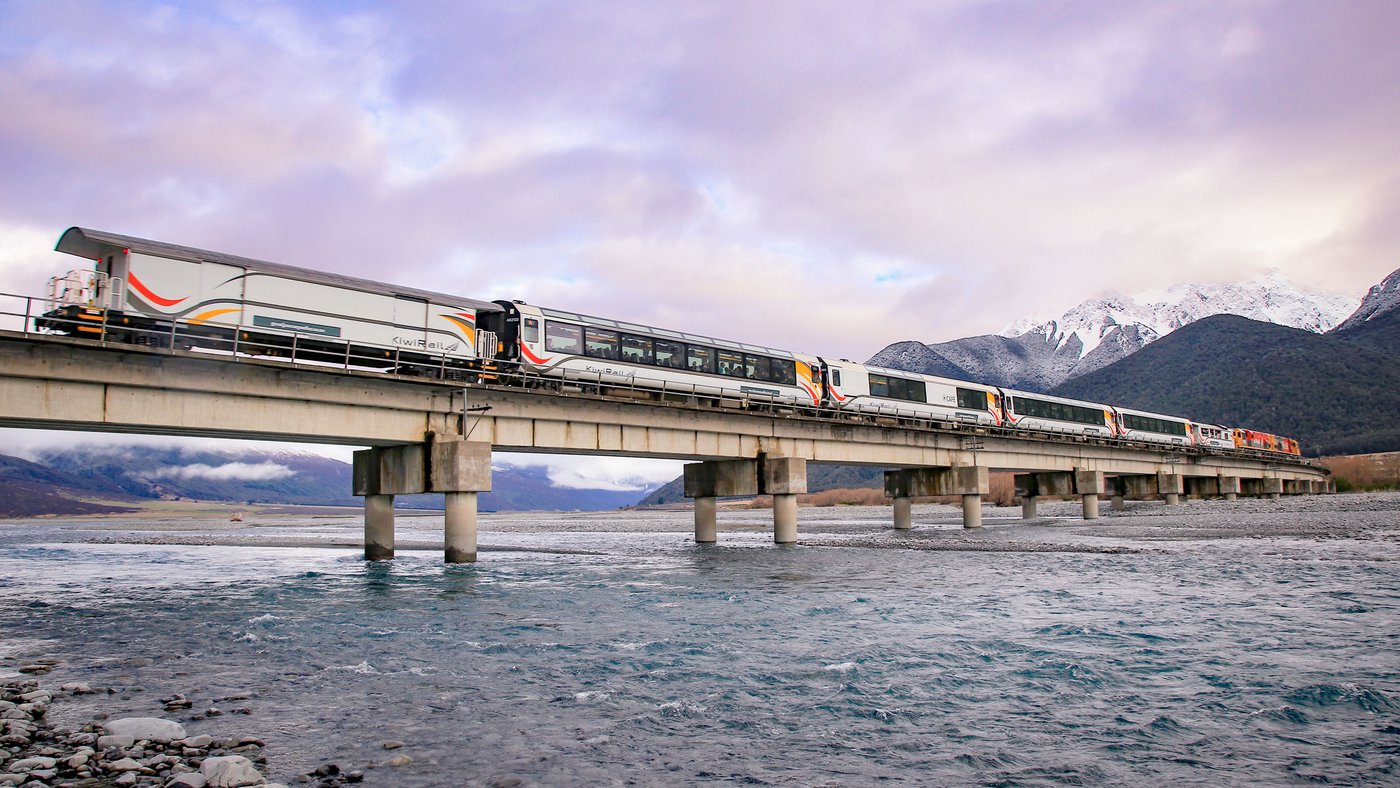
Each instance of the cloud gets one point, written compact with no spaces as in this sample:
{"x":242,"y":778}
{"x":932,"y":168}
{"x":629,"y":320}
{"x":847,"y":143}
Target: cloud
{"x":230,"y":471}
{"x":623,"y":474}
{"x":814,"y":176}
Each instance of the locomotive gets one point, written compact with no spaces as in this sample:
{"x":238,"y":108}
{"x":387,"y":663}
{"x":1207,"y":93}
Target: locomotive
{"x":154,"y":293}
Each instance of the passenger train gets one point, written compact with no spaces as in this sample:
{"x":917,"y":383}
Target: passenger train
{"x":154,"y":293}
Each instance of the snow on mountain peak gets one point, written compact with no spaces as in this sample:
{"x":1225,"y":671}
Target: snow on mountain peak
{"x":1271,"y":298}
{"x":1381,"y":298}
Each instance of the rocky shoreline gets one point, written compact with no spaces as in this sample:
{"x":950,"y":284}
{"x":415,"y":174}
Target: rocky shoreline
{"x":130,"y":751}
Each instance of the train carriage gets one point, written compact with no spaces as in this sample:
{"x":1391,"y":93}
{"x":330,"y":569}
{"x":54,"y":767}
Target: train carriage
{"x":143,"y":288}
{"x":590,"y":350}
{"x":1030,"y":411}
{"x":911,"y":395}
{"x":1139,"y":425}
{"x":1212,"y":436}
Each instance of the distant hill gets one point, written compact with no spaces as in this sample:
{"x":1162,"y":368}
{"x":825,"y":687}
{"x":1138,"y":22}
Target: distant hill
{"x":1338,"y":393}
{"x":31,"y":488}
{"x":66,"y":481}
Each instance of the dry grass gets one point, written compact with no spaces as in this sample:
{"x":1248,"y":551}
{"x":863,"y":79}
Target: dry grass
{"x":1365,"y":471}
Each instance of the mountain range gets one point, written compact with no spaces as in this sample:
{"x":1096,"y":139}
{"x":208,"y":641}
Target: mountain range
{"x":96,"y":479}
{"x":1037,"y":354}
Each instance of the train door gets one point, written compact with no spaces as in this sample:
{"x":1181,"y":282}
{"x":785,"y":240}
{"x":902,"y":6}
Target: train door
{"x":506,"y":325}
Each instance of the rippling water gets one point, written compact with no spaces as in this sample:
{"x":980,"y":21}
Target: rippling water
{"x":659,"y":662}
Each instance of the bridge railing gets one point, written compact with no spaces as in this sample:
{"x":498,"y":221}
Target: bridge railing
{"x":32,"y":315}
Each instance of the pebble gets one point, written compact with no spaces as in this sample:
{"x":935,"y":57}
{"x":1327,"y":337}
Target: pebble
{"x":130,"y":751}
{"x":399,"y":760}
{"x":392,"y":745}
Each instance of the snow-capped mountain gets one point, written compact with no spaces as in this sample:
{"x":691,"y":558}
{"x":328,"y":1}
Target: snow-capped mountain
{"x":1040,"y":353}
{"x":1379,"y":299}
{"x":1269,"y":299}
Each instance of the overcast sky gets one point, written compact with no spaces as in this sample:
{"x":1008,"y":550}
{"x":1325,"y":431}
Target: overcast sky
{"x":825,"y":177}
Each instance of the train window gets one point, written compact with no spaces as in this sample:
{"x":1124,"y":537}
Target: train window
{"x":637,"y":350}
{"x":835,"y":377}
{"x":730,"y":363}
{"x":757,"y":367}
{"x":699,"y":358}
{"x":669,"y":354}
{"x":601,"y":344}
{"x":915,"y":391}
{"x":879,"y":386}
{"x":531,"y":333}
{"x":972,"y":399}
{"x":562,"y":338}
{"x":783,"y":371}
{"x":1059,"y":411}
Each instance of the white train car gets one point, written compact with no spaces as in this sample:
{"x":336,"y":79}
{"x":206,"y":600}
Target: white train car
{"x":593,"y":350}
{"x":1043,"y":413}
{"x":898,"y":393}
{"x":274,"y":308}
{"x":1212,"y":436}
{"x":1138,"y":425}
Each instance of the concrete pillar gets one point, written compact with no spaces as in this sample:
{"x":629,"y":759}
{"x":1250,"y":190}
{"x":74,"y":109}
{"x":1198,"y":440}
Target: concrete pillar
{"x":459,"y":528}
{"x":1090,"y":485}
{"x":1028,"y":507}
{"x":704,"y":481}
{"x":903,"y":514}
{"x":972,"y":511}
{"x":1273,"y":489}
{"x":969,"y":481}
{"x":1091,"y":506}
{"x":379,"y":527}
{"x":784,"y":478}
{"x":784,"y":519}
{"x":705,"y":521}
{"x":1171,"y":486}
{"x":1116,"y":503}
{"x":1230,"y":487}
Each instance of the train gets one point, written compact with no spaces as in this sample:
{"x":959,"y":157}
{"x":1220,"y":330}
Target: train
{"x":154,"y":293}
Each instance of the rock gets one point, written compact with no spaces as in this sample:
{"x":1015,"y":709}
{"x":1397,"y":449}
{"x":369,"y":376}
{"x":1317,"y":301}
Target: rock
{"x":38,"y":696}
{"x":36,"y":762}
{"x":230,"y":771}
{"x":35,"y":670}
{"x":12,"y":779}
{"x":79,"y":760}
{"x":392,"y":745}
{"x":146,"y":728}
{"x":200,"y":741}
{"x":399,"y":760}
{"x":123,"y":765}
{"x":126,"y":779}
{"x":120,"y":742}
{"x":188,"y":780}
{"x":78,"y":688}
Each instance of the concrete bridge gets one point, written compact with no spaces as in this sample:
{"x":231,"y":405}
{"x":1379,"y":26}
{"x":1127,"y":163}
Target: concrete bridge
{"x":437,"y":436}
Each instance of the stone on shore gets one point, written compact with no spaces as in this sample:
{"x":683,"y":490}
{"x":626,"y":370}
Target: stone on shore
{"x":230,"y":771}
{"x":146,"y":729}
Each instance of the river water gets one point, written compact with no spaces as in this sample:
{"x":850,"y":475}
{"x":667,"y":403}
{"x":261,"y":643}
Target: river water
{"x":576,"y":655}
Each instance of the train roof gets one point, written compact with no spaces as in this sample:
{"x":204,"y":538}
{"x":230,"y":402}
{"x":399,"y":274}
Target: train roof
{"x":1048,"y":398}
{"x":95,"y":244}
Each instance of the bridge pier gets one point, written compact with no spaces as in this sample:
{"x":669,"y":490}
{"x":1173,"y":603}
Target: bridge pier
{"x":970,"y":482}
{"x":1167,"y":485}
{"x":1273,"y":489}
{"x":1089,"y":485}
{"x":459,"y":469}
{"x":1229,"y":487}
{"x":784,"y":478}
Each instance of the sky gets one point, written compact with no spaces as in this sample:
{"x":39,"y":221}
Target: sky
{"x":827,"y":177}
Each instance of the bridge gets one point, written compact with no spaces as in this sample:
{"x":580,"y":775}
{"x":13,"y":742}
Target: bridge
{"x":428,"y":434}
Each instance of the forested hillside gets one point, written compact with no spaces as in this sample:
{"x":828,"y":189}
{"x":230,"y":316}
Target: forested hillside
{"x":1338,"y":393}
